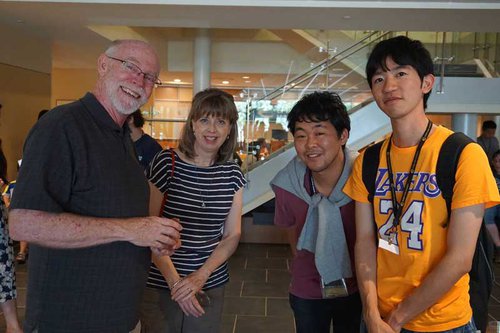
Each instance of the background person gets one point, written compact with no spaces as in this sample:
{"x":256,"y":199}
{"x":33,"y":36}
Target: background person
{"x":8,"y":292}
{"x":145,"y":146}
{"x":492,"y":215}
{"x":205,"y":189}
{"x":487,"y":139}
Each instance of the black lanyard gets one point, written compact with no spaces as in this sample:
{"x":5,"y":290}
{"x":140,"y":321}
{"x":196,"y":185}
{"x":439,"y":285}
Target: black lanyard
{"x":397,"y":207}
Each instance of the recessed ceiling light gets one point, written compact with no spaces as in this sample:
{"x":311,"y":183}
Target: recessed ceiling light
{"x":225,"y":82}
{"x":248,"y":81}
{"x":177,"y":80}
{"x":347,"y":17}
{"x":245,"y":77}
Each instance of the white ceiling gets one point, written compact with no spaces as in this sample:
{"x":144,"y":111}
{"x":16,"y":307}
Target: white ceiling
{"x":64,"y":25}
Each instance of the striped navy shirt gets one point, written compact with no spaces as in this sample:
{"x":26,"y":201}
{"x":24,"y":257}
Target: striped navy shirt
{"x":201,"y":198}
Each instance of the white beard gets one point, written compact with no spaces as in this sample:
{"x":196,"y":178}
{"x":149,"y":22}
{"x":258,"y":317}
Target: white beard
{"x":127,"y":104}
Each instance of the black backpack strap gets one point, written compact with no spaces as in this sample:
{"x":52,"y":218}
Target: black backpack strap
{"x":447,"y":164}
{"x":481,"y":273}
{"x":371,"y":160}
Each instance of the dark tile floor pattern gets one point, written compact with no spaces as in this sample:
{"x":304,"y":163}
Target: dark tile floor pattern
{"x":256,"y":297}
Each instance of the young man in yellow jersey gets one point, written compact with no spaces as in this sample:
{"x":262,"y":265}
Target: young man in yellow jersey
{"x":412,"y":264}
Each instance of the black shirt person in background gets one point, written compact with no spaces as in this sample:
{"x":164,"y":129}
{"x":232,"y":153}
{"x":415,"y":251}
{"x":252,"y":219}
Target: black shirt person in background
{"x":145,"y":146}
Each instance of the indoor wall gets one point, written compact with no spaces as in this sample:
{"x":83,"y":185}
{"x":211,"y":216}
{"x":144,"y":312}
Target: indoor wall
{"x":23,"y":93}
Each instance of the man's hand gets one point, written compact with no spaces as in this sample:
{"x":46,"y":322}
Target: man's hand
{"x":394,"y":320}
{"x":159,"y":233}
{"x":379,"y":326}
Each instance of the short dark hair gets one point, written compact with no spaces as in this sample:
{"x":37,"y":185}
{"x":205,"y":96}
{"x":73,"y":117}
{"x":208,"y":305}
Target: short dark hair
{"x":320,"y":106}
{"x":137,"y":118}
{"x":41,"y":113}
{"x":403,"y":51}
{"x":489,"y":124}
{"x":217,"y":103}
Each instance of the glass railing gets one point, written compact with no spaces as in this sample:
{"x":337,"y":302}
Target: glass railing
{"x":265,"y":126}
{"x":337,"y":66}
{"x":454,"y":54}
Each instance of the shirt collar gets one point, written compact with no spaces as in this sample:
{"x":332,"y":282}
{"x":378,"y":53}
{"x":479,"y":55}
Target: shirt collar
{"x":100,"y":115}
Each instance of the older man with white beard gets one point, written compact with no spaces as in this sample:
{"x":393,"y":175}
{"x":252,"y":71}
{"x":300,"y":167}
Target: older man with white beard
{"x":82,"y":202}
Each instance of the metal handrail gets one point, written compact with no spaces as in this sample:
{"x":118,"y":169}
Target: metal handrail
{"x":321,"y":65}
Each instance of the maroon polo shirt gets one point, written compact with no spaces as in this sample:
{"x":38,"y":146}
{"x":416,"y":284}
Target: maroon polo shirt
{"x":290,"y":212}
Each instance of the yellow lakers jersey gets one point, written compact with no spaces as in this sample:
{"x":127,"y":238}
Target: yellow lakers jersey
{"x":421,"y":236}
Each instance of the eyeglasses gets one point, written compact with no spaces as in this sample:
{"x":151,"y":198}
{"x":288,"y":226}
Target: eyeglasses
{"x":133,"y":68}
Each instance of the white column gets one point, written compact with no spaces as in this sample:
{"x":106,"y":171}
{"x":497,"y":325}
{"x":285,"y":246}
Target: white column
{"x":201,"y":68}
{"x":466,"y":123}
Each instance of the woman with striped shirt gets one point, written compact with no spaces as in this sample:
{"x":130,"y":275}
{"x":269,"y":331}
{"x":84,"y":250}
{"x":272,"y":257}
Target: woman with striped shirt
{"x":204,"y":191}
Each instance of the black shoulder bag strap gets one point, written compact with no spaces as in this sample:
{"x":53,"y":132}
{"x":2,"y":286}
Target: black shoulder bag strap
{"x":481,"y":273}
{"x":447,"y":164}
{"x":369,"y":170}
{"x":371,"y":161}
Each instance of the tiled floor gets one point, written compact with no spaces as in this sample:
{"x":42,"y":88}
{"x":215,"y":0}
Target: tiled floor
{"x":256,"y":297}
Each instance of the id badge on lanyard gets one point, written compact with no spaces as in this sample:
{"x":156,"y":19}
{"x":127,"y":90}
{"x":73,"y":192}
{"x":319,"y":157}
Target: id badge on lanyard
{"x":337,"y":288}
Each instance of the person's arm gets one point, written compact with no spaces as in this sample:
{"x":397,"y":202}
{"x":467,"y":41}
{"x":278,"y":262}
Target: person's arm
{"x":190,"y":305}
{"x":291,"y":234}
{"x":462,"y":236}
{"x":365,"y":251}
{"x":192,"y":283}
{"x":6,"y":199}
{"x":284,"y":216}
{"x":66,"y":230}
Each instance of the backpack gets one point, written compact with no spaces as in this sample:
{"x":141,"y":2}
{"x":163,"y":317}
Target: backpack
{"x":481,"y":273}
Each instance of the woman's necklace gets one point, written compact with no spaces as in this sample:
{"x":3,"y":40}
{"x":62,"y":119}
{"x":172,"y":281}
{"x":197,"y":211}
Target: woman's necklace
{"x":200,"y":187}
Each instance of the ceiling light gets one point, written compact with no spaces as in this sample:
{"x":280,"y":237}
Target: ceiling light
{"x":225,"y":82}
{"x":248,"y":81}
{"x":177,"y":80}
{"x":347,"y":17}
{"x":245,"y":77}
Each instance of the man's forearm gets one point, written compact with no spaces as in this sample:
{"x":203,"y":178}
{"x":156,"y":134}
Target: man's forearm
{"x":436,"y":284}
{"x":66,"y":230}
{"x":221,"y":254}
{"x":461,"y":240}
{"x":366,"y":272}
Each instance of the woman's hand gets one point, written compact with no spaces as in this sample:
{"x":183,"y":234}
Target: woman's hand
{"x":189,"y":285}
{"x":191,"y":307}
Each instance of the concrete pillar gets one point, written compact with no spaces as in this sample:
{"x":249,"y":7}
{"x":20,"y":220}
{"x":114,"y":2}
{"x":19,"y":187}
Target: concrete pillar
{"x":466,"y":123}
{"x":201,"y":68}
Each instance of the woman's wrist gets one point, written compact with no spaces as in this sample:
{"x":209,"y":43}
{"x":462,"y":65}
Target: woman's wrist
{"x":205,"y":272}
{"x":172,"y":286}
